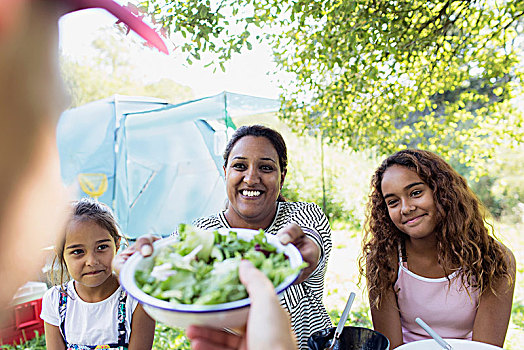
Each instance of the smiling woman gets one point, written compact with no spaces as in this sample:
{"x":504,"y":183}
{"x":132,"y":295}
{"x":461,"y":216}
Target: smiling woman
{"x":255,"y":165}
{"x":428,"y":253}
{"x":254,"y":177}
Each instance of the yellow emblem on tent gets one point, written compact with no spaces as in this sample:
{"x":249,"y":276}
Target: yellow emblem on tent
{"x":94,"y":184}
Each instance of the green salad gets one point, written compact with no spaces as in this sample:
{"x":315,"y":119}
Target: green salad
{"x":202,"y":267}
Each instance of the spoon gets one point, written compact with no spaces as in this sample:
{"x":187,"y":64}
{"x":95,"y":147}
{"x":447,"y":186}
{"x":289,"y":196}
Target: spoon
{"x":433,"y":334}
{"x":342,"y":321}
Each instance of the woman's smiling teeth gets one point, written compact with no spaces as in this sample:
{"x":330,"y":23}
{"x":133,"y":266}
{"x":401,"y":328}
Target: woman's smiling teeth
{"x":250,"y":193}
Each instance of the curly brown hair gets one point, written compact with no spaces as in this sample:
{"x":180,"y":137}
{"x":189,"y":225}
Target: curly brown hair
{"x":463,"y":237}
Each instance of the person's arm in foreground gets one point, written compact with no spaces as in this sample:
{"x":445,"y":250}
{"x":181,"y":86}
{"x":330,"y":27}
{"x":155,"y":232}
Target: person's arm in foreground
{"x":53,"y":337}
{"x":142,"y":330}
{"x":491,"y":321}
{"x":268,"y":324}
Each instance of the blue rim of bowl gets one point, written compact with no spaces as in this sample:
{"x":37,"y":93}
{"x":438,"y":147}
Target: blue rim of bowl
{"x":127,"y":281}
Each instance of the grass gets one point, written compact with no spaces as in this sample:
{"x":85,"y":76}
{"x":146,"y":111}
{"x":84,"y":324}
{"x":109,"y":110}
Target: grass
{"x":170,"y":338}
{"x":511,"y":235}
{"x":37,"y":343}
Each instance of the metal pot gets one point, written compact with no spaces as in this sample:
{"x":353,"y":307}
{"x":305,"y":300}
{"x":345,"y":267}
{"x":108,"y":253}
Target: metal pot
{"x":351,"y":338}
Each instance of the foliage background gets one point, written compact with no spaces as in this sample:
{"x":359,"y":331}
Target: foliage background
{"x":347,"y":177}
{"x":368,"y":78}
{"x":378,"y":75}
{"x":113,"y":71}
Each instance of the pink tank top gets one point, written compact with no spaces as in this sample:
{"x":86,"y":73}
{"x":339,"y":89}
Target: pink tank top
{"x":450,"y":312}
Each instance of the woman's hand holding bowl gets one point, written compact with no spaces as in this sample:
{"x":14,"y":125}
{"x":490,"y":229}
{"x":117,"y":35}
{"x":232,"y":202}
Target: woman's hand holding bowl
{"x":143,"y":244}
{"x":310,"y":251}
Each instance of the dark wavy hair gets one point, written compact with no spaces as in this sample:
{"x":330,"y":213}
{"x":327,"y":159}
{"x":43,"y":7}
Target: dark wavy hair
{"x":260,"y":131}
{"x":463,"y":238}
{"x":85,"y":209}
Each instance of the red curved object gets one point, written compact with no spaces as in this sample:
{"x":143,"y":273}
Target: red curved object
{"x":124,"y":15}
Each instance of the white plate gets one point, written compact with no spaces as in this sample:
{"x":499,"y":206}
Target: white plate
{"x":457,"y":344}
{"x":227,"y":315}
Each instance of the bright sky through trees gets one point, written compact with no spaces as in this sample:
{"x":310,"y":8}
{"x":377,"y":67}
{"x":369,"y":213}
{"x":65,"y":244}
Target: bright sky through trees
{"x":245,"y":73}
{"x":384,"y":75}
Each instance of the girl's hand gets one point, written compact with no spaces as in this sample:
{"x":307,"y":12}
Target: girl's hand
{"x":310,"y":251}
{"x":143,"y":244}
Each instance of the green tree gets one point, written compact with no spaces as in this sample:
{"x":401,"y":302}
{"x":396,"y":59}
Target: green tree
{"x":113,"y":72}
{"x":168,"y":90}
{"x":363,"y":69}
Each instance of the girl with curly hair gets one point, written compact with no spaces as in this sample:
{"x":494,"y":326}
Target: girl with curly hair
{"x":429,"y":252}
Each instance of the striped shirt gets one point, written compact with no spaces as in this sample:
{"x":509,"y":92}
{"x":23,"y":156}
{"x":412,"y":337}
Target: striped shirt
{"x":303,"y":301}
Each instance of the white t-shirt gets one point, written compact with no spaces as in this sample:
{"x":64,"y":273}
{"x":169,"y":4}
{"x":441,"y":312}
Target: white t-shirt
{"x":87,"y":323}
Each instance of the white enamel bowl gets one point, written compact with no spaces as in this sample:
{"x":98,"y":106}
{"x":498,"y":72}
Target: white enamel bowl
{"x":227,"y":315}
{"x":457,"y":344}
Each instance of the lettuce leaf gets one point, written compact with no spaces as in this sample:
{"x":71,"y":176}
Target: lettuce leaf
{"x":202,"y":267}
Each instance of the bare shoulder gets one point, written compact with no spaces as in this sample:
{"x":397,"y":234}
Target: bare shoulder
{"x":506,"y":283}
{"x":509,"y":256}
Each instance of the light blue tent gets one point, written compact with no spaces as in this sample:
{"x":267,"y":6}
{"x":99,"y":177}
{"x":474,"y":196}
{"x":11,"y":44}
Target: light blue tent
{"x":154,"y":163}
